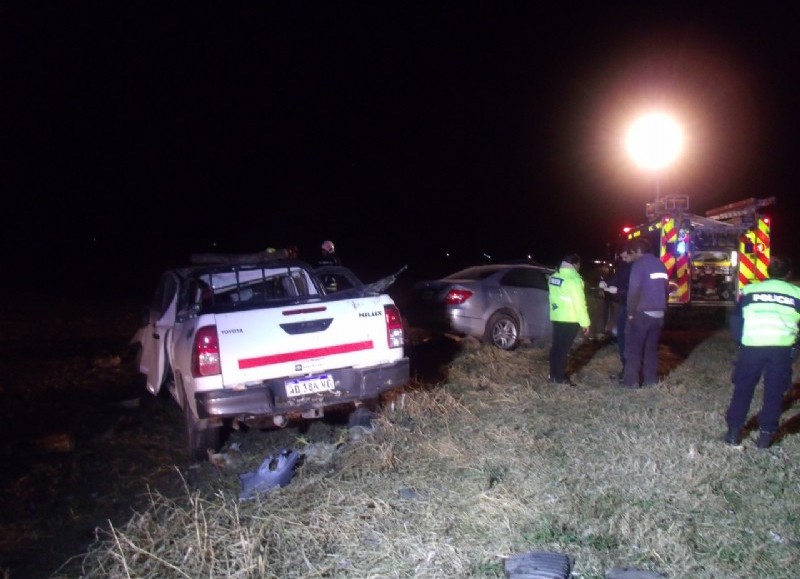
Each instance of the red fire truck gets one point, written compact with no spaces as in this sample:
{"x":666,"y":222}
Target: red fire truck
{"x":709,"y":258}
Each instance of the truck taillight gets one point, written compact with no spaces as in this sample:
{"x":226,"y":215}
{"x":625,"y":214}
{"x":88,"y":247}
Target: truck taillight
{"x":457,"y":297}
{"x":205,"y":352}
{"x":394,"y":326}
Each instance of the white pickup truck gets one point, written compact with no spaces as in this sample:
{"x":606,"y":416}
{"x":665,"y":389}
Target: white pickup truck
{"x":259,"y":340}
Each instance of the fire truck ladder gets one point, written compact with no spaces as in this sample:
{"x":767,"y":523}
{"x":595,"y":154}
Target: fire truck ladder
{"x":739,"y":209}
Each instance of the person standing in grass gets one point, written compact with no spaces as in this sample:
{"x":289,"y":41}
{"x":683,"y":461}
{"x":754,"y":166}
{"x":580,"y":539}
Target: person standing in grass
{"x":765,"y":325}
{"x":648,"y":291}
{"x":617,"y":287}
{"x":568,"y":313}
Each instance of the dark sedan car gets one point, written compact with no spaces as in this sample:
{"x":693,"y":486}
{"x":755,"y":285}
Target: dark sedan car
{"x":500,"y":304}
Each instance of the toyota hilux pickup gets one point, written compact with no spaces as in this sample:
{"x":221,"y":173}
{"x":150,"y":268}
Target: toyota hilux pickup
{"x":255,"y":340}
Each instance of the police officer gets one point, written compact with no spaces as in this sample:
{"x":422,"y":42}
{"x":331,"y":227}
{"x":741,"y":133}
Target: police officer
{"x":765,"y":324}
{"x":568,"y":313}
{"x":647,"y":303}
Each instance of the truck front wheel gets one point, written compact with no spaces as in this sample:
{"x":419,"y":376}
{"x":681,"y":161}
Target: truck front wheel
{"x":200,"y":437}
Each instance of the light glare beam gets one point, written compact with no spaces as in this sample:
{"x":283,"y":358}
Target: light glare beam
{"x":654,"y":141}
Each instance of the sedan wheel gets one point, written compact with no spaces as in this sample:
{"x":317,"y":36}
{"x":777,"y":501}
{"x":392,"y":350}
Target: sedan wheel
{"x":502,"y":331}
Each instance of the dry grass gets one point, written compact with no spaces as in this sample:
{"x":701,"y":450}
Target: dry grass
{"x":493,"y":462}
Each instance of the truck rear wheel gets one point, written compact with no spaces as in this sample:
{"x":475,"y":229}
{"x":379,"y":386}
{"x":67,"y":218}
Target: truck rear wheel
{"x":200,"y":437}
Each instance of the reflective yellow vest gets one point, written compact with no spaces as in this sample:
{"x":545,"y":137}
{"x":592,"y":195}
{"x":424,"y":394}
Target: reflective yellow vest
{"x":770,"y":313}
{"x":567,"y":298}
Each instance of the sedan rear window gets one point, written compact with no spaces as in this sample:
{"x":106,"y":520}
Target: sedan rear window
{"x":526,"y":277}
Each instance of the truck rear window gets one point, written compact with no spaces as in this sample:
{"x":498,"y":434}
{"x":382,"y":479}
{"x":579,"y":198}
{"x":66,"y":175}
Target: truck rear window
{"x":250,"y":287}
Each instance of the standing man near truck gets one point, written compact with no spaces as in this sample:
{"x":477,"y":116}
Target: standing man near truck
{"x":648,"y":291}
{"x":617,"y":286}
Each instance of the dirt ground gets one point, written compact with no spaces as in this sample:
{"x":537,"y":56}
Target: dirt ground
{"x":82,"y":441}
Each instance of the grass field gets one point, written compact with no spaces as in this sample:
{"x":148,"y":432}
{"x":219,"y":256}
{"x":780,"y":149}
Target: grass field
{"x":492,"y":462}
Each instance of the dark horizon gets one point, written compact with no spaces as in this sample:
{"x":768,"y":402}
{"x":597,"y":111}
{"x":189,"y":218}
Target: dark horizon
{"x":141,"y":135}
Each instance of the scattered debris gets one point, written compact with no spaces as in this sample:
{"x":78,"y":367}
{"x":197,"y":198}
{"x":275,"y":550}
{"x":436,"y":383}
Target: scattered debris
{"x":628,"y":573}
{"x":539,"y":565}
{"x":777,"y":538}
{"x":225,"y":460}
{"x":319,"y":452}
{"x":410,"y":494}
{"x":276,"y":471}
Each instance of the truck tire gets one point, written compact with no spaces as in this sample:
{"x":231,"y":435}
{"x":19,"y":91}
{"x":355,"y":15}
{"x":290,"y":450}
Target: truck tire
{"x":199,"y":436}
{"x":502,"y":330}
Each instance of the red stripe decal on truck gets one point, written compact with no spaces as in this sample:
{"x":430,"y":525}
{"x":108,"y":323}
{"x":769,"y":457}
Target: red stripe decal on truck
{"x":304,"y":354}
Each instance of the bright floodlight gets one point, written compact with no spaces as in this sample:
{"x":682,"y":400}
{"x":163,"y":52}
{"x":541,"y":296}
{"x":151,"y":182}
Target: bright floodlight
{"x":654,"y":141}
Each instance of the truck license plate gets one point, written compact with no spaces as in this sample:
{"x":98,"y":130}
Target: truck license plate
{"x":310,"y":385}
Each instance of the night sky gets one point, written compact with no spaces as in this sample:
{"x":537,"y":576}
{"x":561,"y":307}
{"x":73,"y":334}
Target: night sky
{"x":137,"y":135}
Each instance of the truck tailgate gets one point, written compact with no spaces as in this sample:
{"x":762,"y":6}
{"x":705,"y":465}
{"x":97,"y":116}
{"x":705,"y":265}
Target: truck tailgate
{"x":304,"y":339}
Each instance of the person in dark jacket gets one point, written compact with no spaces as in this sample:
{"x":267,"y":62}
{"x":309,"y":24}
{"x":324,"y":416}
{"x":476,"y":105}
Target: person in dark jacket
{"x":648,"y":290}
{"x":328,"y":257}
{"x":765,"y":325}
{"x":617,"y":287}
{"x":328,"y":254}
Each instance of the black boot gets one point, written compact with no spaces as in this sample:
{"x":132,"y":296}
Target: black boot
{"x":764,"y":440}
{"x":733,"y":436}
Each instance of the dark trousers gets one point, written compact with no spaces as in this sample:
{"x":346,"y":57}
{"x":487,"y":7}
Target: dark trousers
{"x":622,"y":320}
{"x":775,"y":363}
{"x":563,"y":335}
{"x":641,"y":349}
{"x":607,"y":309}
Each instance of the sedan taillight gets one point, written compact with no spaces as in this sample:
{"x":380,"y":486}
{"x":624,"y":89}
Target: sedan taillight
{"x":205,"y":352}
{"x":456,"y":297}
